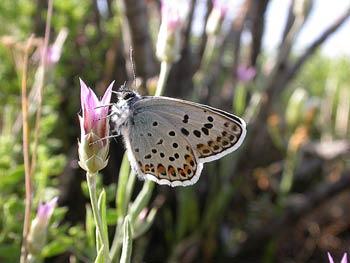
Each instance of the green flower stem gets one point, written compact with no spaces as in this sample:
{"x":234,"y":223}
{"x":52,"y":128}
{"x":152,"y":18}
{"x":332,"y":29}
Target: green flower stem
{"x":208,"y":53}
{"x":163,"y":77}
{"x":204,"y":67}
{"x":91,"y":182}
{"x":287,"y":176}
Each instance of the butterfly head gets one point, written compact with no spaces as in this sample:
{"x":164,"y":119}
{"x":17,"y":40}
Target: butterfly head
{"x":121,"y":110}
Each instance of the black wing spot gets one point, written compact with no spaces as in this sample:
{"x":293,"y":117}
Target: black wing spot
{"x":175,"y":145}
{"x":210,"y":118}
{"x":197,"y":133}
{"x":160,"y":141}
{"x":171,"y":133}
{"x":185,"y":132}
{"x":205,"y":131}
{"x":208,"y":125}
{"x":155,"y":123}
{"x":185,"y":120}
{"x":162,"y":155}
{"x":154,"y":151}
{"x":148,"y":156}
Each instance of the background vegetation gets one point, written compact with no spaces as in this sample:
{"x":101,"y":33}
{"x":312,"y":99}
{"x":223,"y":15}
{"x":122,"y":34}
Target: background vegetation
{"x":283,"y":197}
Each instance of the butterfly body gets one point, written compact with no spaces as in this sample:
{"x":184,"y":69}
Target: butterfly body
{"x":168,"y":140}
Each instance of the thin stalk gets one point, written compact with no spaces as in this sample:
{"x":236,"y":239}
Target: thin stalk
{"x":91,"y":182}
{"x":163,"y":77}
{"x":28,"y":183}
{"x":41,"y":85}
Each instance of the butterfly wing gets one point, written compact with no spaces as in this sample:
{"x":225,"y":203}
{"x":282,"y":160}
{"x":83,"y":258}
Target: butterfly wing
{"x":211,"y":133}
{"x":158,"y":152}
{"x":168,"y":140}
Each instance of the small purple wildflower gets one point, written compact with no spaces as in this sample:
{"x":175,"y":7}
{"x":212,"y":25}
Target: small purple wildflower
{"x":45,"y":210}
{"x":38,"y":230}
{"x":245,"y":74}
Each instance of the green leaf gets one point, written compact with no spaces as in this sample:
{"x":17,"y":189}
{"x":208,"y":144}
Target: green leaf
{"x":188,"y":214}
{"x":9,"y":253}
{"x":127,"y":242}
{"x":90,"y":227}
{"x":102,"y":209}
{"x":100,"y":258}
{"x":57,"y":246}
{"x":121,"y":203}
{"x":11,"y":179}
{"x":111,"y":217}
{"x":141,"y":200}
{"x":239,"y":100}
{"x":142,"y":226}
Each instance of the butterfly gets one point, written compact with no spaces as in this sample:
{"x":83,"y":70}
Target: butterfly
{"x":168,"y":140}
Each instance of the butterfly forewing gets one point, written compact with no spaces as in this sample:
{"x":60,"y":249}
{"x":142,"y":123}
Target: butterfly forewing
{"x":158,"y":150}
{"x":211,"y":133}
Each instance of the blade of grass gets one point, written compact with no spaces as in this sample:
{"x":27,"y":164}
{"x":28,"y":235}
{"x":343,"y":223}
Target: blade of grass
{"x":28,"y":183}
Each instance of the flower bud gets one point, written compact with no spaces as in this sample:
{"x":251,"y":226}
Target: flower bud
{"x":38,"y":231}
{"x":169,"y":37}
{"x":216,"y":17}
{"x":93,"y":148}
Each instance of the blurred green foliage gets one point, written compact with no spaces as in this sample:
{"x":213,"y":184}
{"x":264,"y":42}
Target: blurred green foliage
{"x":319,"y":83}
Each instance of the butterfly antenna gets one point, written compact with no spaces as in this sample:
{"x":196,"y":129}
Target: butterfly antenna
{"x":106,"y":105}
{"x":133,"y":65}
{"x":105,"y":138}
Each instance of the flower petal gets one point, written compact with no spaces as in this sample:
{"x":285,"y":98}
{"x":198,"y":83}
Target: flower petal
{"x":330,"y":258}
{"x":84,"y":91}
{"x":344,"y":259}
{"x":45,"y":210}
{"x":82,"y":128}
{"x":108,"y":93}
{"x":88,"y":97}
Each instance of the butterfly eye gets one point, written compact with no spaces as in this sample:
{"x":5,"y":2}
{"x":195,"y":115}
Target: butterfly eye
{"x":129,"y":96}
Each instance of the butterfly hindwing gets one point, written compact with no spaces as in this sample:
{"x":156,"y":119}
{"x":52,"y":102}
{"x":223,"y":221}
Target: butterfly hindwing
{"x":211,"y":133}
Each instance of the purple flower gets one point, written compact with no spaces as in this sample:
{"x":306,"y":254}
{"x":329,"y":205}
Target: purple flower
{"x":245,"y":74}
{"x":94,"y":126}
{"x":94,"y":111}
{"x":343,"y":260}
{"x":45,"y":210}
{"x":38,"y":229}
